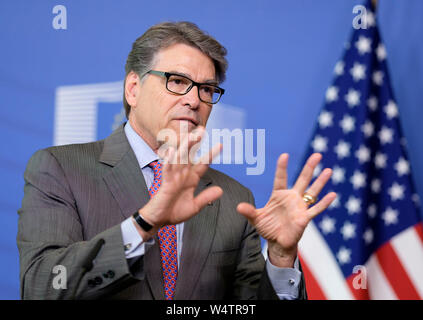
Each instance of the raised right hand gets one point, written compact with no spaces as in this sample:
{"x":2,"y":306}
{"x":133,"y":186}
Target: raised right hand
{"x":175,"y":201}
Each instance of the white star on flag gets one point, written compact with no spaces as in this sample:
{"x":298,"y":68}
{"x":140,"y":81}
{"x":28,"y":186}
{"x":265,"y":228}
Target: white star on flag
{"x":339,"y":68}
{"x":352,"y":98}
{"x":331,"y":94}
{"x":325,"y":119}
{"x":381,"y":52}
{"x":396,"y":191}
{"x":380,"y":160}
{"x":386,"y":135}
{"x":347,"y":124}
{"x":342,"y":149}
{"x":378,"y":77}
{"x":327,"y":225}
{"x":363,"y":154}
{"x":363,"y":45}
{"x":338,"y":175}
{"x":391,"y":109}
{"x":358,"y":180}
{"x":320,"y":144}
{"x":402,"y":167}
{"x":370,"y":19}
{"x":344,"y":255}
{"x":372,"y":210}
{"x":368,"y":236}
{"x":367,"y":129}
{"x":375,"y":185}
{"x":390,"y":216}
{"x":353,"y":205}
{"x":358,"y":71}
{"x":372,"y":103}
{"x":348,"y":230}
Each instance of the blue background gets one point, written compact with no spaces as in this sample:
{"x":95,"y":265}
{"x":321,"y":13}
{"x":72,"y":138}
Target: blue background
{"x":281,"y":58}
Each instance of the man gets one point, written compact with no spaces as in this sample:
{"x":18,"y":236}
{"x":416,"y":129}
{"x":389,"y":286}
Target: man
{"x":124,"y":225}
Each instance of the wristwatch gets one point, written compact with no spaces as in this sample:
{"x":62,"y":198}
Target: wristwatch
{"x":141,"y":222}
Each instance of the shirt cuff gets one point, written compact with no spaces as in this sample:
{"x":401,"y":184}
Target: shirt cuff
{"x":285,"y":281}
{"x":134,"y":244}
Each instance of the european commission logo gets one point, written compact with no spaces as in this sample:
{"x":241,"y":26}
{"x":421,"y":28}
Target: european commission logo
{"x":77,"y":111}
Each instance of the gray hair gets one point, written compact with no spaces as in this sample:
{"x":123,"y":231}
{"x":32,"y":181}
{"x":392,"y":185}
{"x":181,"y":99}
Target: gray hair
{"x":160,"y":36}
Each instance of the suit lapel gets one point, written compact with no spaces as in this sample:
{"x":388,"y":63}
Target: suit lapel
{"x":198,"y":237}
{"x":125,"y":180}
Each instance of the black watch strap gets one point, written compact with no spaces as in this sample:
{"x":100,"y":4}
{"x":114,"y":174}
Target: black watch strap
{"x":141,"y":222}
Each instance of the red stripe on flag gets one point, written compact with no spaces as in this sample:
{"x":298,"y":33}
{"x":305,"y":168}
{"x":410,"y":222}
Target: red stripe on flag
{"x":419,"y":230}
{"x":359,"y":281}
{"x":395,"y":273}
{"x":314,"y":292}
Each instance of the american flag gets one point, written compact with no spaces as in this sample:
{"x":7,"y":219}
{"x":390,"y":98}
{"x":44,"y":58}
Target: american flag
{"x":369,"y":243}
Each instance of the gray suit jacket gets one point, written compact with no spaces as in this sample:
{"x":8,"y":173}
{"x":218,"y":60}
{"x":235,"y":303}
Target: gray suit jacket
{"x":78,"y":194}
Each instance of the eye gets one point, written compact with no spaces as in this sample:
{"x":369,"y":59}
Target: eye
{"x":207,"y":89}
{"x":178,"y":84}
{"x":179,"y":81}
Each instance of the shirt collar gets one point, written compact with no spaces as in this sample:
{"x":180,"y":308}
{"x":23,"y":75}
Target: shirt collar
{"x":142,"y":150}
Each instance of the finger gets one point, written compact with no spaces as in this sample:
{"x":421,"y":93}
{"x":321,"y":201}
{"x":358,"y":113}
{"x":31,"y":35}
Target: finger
{"x":320,"y":182}
{"x":321,"y":205}
{"x":182,"y":153}
{"x":281,"y":175}
{"x":213,"y":152}
{"x":203,"y":164}
{"x":195,"y":143}
{"x":168,"y":160}
{"x":197,"y":134}
{"x":191,"y":140}
{"x":208,"y":195}
{"x":307,"y":173}
{"x":247,"y":210}
{"x":167,"y":154}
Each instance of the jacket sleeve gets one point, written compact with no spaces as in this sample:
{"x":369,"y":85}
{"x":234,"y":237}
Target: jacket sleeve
{"x":51,"y":245}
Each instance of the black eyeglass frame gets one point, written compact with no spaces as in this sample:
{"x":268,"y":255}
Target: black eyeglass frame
{"x":167,"y":75}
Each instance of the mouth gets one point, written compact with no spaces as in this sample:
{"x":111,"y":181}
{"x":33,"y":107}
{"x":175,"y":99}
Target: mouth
{"x":189,"y":120}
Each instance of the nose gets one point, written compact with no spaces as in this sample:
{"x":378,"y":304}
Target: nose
{"x":191,"y":99}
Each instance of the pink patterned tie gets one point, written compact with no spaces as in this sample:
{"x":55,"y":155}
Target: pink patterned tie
{"x":167,"y":240}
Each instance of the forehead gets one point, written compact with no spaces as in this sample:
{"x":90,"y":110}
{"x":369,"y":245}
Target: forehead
{"x":185,"y":59}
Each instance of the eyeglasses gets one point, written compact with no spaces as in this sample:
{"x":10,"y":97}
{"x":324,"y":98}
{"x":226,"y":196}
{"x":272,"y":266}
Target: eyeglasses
{"x":181,"y":85}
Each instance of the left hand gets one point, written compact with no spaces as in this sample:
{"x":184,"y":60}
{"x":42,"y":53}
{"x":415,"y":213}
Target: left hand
{"x":284,"y":218}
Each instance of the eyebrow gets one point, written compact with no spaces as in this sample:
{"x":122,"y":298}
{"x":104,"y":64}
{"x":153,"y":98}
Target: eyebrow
{"x":210,"y":81}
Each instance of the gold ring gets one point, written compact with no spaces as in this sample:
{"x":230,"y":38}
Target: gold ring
{"x":309,"y":199}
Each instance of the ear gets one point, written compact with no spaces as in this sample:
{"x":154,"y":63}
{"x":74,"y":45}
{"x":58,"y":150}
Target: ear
{"x":131,"y":88}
